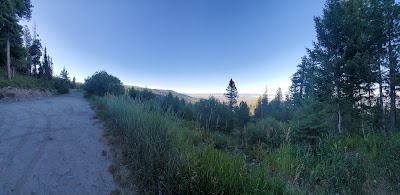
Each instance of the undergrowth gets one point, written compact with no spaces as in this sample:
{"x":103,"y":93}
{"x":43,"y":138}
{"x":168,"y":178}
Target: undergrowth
{"x":24,"y":81}
{"x":167,"y":154}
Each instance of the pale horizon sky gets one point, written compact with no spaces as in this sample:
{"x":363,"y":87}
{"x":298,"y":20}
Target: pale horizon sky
{"x":187,"y":46}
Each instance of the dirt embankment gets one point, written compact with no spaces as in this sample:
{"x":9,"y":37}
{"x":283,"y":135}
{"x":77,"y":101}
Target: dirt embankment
{"x":12,"y":94}
{"x":53,"y":146}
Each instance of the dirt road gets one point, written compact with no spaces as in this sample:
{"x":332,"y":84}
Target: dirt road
{"x":52,"y":146}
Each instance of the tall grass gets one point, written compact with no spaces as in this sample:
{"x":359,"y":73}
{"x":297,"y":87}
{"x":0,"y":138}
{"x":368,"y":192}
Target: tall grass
{"x":166,"y":154}
{"x":148,"y":137}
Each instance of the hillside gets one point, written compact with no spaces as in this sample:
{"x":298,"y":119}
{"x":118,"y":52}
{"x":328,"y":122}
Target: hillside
{"x":165,"y":92}
{"x":23,"y":81}
{"x":221,"y":97}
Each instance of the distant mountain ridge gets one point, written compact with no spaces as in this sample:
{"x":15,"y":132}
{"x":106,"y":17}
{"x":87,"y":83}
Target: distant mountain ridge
{"x":164,"y":92}
{"x":220,"y":96}
{"x":194,"y":97}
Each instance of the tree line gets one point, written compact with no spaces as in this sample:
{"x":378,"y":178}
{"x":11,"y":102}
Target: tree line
{"x":353,"y":67}
{"x":23,"y":51}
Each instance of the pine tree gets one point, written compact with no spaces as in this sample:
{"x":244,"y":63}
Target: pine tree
{"x":36,"y":53}
{"x":27,"y":45}
{"x":64,"y":75}
{"x":73,"y":84}
{"x":50,"y":72}
{"x":258,"y":109}
{"x":47,"y":70}
{"x":11,"y":13}
{"x":242,"y":114}
{"x":231,"y":94}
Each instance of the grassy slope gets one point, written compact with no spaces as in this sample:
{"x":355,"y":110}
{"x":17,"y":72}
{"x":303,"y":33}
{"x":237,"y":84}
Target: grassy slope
{"x":24,"y":81}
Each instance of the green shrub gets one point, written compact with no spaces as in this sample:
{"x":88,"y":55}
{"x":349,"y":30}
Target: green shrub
{"x":311,"y":122}
{"x":213,"y":115}
{"x":268,"y":131}
{"x":61,"y":85}
{"x":339,"y":170}
{"x":101,"y":83}
{"x":389,"y":158}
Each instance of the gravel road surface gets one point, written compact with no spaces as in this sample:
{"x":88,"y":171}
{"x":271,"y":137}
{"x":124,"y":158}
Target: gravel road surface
{"x":53,"y":146}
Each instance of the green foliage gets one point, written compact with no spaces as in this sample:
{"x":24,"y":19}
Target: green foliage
{"x":268,"y":131}
{"x":338,"y":169}
{"x":12,"y":12}
{"x":213,"y":115}
{"x":161,"y":149}
{"x":311,"y":121}
{"x":73,"y":83}
{"x":144,"y":94}
{"x":231,"y":94}
{"x":149,"y":139}
{"x":179,"y":107}
{"x":387,"y":157}
{"x":241,"y":114}
{"x":214,"y":172}
{"x":101,"y":83}
{"x":23,"y":81}
{"x":35,"y":52}
{"x":61,"y":85}
{"x":133,"y":93}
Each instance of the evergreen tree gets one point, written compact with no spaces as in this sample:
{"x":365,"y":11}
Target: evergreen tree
{"x":258,"y":109}
{"x":242,"y":114}
{"x":36,"y":53}
{"x":44,"y":66}
{"x":73,"y":84}
{"x":276,"y":105}
{"x":27,"y":45}
{"x":50,"y":72}
{"x":231,"y":94}
{"x":261,"y":109}
{"x":64,"y":75}
{"x":12,"y":11}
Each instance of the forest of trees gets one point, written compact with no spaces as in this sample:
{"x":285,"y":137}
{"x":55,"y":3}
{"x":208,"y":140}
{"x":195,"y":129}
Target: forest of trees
{"x":353,"y":67}
{"x":22,"y":50}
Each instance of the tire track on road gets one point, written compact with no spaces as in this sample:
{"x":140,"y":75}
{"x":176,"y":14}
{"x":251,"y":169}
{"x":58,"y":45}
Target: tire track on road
{"x":9,"y":125}
{"x":20,"y":144}
{"x":38,"y":155}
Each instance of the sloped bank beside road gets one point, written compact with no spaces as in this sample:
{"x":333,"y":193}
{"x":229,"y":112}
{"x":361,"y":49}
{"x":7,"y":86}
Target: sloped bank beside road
{"x":11,"y":94}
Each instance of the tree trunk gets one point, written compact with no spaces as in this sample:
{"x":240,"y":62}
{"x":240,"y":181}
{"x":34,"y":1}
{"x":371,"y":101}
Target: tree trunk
{"x":362,"y":114}
{"x":8,"y":59}
{"x":28,"y":65}
{"x":392,"y":87}
{"x":13,"y":72}
{"x":339,"y":121}
{"x":370,"y":107}
{"x":362,"y":124}
{"x":381,"y":102}
{"x":392,"y":106}
{"x":339,"y":126}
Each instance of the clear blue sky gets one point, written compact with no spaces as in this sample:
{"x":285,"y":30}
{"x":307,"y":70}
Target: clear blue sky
{"x":191,"y":46}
